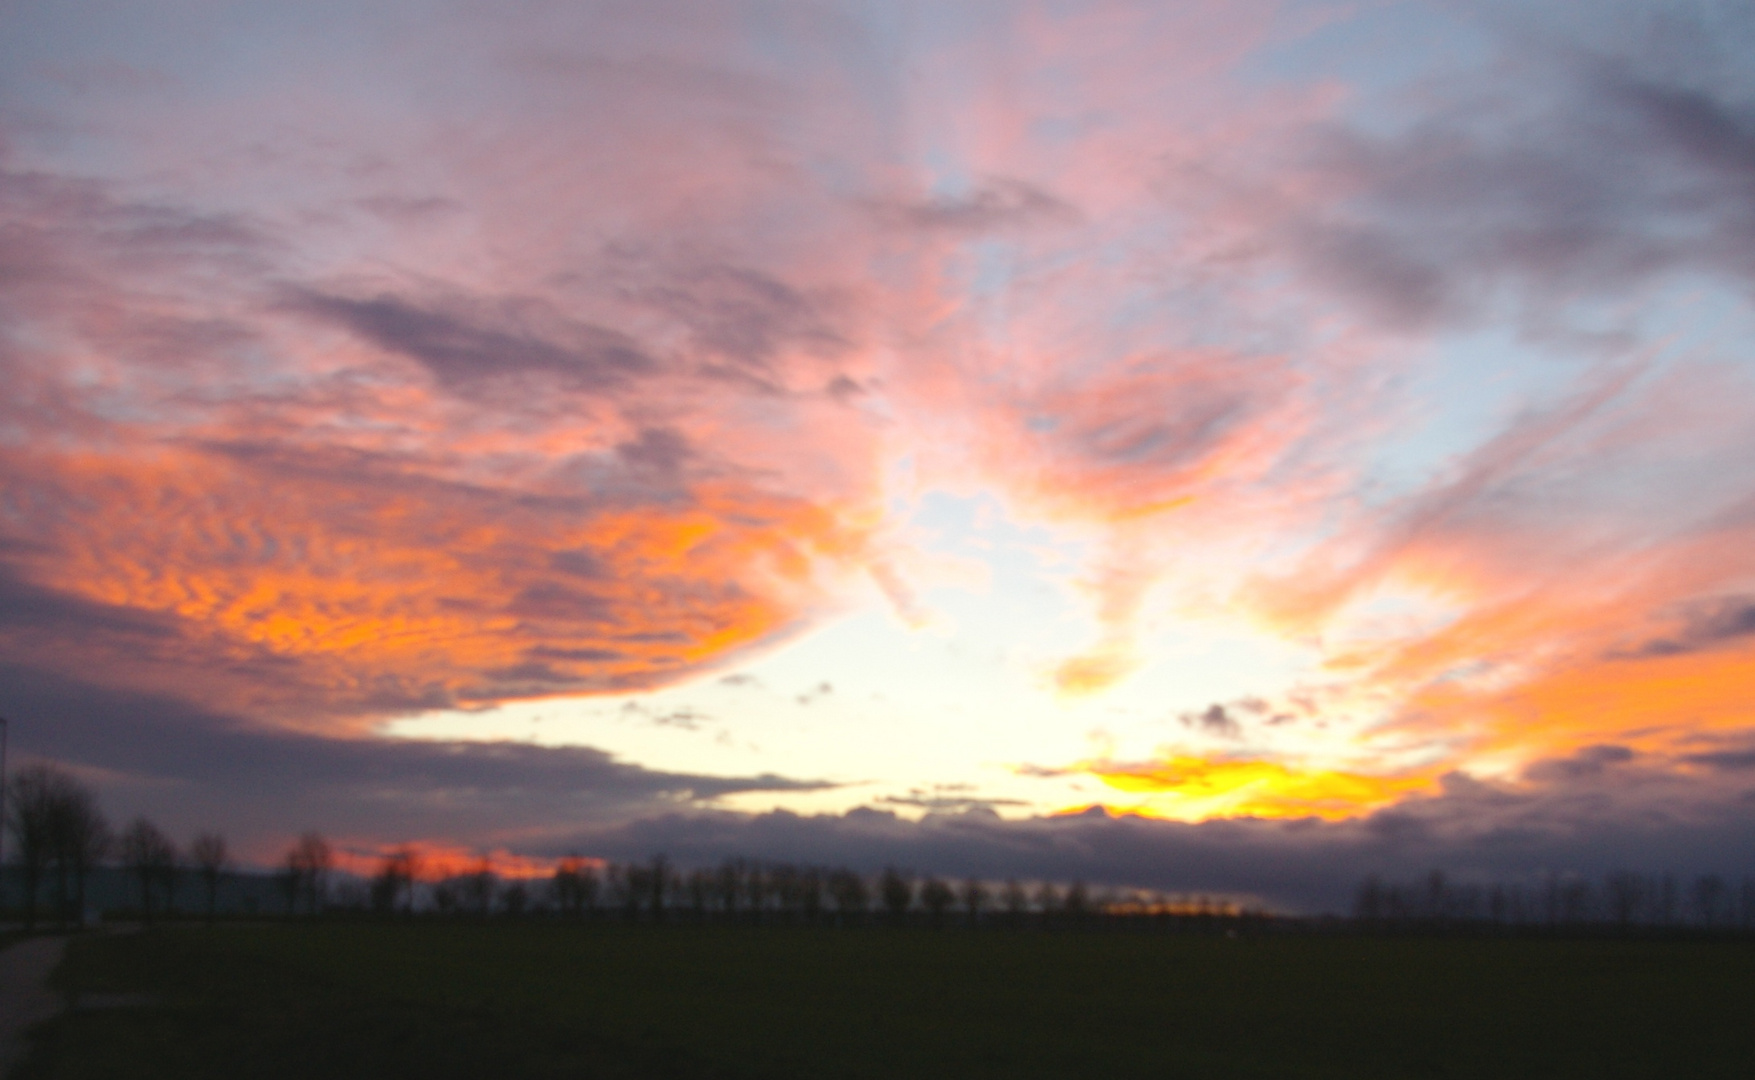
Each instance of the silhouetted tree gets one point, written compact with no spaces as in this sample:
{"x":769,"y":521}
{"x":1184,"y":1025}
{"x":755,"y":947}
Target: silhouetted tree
{"x":1047,"y":900}
{"x":896,"y":891}
{"x":1709,"y":893}
{"x":974,"y":899}
{"x":1077,"y":902}
{"x":757,"y":887}
{"x":148,"y":855}
{"x":446,"y":897}
{"x":783,"y":887}
{"x":479,"y":887}
{"x":851,"y":897}
{"x":33,"y":796}
{"x":569,"y":886}
{"x":78,"y":838}
{"x":810,"y":893}
{"x":515,"y":899}
{"x":589,"y":889}
{"x":728,"y":884}
{"x":700,"y":890}
{"x":1624,"y":893}
{"x":290,"y":881}
{"x":211,"y":859}
{"x":1665,"y":913}
{"x":936,"y":897}
{"x":1368,"y":902}
{"x":636,"y":887}
{"x":1016,"y":901}
{"x":397,"y":872}
{"x":307,"y":866}
{"x":658,"y":882}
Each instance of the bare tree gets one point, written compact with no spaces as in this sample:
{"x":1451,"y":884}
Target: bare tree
{"x":658,"y":885}
{"x":208,"y":851}
{"x":479,"y":887}
{"x":636,"y":889}
{"x":515,"y":899}
{"x":148,"y":854}
{"x":851,"y":897}
{"x":897,"y":893}
{"x":30,"y":818}
{"x":758,"y":885}
{"x":1047,"y":900}
{"x":810,"y":893}
{"x":567,"y":886}
{"x":80,"y":836}
{"x":936,"y":897}
{"x":1709,"y":894}
{"x":1625,"y":892}
{"x":700,"y":890}
{"x":307,"y":866}
{"x":1016,"y":901}
{"x":589,"y":889}
{"x":394,"y":881}
{"x":728,"y":884}
{"x":974,"y":898}
{"x":1077,"y":902}
{"x":290,"y":880}
{"x":445,"y":896}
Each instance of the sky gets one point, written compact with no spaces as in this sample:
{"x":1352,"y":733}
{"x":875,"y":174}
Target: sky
{"x":1232,"y":446}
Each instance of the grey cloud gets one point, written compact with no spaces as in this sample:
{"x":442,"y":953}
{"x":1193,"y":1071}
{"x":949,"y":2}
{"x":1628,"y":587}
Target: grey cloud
{"x":1472,"y":830}
{"x":659,"y":451}
{"x":820,"y":690}
{"x":740,"y":318}
{"x":1732,"y":760}
{"x":194,"y":769}
{"x":1214,"y":720}
{"x":1709,"y":626}
{"x":461,"y":350}
{"x":1589,"y":761}
{"x":1612,"y":172}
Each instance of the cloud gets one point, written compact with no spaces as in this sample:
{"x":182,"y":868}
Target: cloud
{"x":1214,"y":720}
{"x":461,"y":353}
{"x":1587,"y":823}
{"x":1576,"y":172}
{"x":991,"y":206}
{"x":194,"y":770}
{"x":1722,"y":621}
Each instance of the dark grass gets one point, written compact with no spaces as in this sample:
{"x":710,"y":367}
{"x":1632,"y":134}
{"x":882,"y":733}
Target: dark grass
{"x":455,"y":1000}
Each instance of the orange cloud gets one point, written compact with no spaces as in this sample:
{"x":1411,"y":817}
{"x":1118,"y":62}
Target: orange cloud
{"x":309,"y":595}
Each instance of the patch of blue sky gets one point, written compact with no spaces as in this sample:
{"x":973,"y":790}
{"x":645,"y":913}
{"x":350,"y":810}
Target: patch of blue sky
{"x":1379,"y":51}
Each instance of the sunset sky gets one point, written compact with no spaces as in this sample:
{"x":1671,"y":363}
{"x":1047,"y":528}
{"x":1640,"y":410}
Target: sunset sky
{"x":1206,"y":444}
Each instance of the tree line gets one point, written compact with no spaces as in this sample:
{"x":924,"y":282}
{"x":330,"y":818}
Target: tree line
{"x":737,"y":890}
{"x":59,"y":836}
{"x":1622,"y":900}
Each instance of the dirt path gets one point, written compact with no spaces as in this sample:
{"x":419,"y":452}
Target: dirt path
{"x":25,"y":998}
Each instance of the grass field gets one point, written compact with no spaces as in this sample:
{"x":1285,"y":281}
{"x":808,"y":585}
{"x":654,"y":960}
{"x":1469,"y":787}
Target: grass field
{"x":457,"y":1000}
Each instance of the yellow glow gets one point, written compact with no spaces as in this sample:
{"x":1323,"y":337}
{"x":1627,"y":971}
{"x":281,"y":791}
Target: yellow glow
{"x":1194,"y":789}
